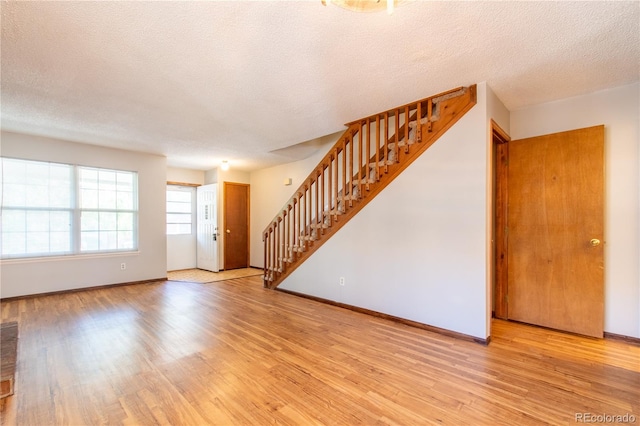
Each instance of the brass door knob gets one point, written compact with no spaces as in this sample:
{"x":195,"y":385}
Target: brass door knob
{"x":595,"y":242}
{"x":228,"y":231}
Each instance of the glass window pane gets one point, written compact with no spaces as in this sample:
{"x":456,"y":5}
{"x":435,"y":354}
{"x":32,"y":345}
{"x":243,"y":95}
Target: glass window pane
{"x":108,"y":240}
{"x":14,"y":195}
{"x":60,"y":196}
{"x":37,"y":174}
{"x":124,"y":200}
{"x":59,"y":174}
{"x":30,"y":184}
{"x":179,"y":211}
{"x":60,"y":179}
{"x":60,"y":221}
{"x":107,"y":180}
{"x":14,"y":221}
{"x":176,"y":207}
{"x":60,"y":242}
{"x":89,"y":241}
{"x":178,"y":229}
{"x":180,"y":196}
{"x":125,"y":240}
{"x":125,"y":182}
{"x":107,"y":200}
{"x":88,"y":178}
{"x":88,"y":199}
{"x":185,"y":228}
{"x":14,"y":243}
{"x":14,"y":171}
{"x":178,"y":218}
{"x":89,"y":221}
{"x":37,"y":196}
{"x":125,"y":221}
{"x":116,"y":191}
{"x":37,"y":242}
{"x":37,"y":221}
{"x":108,"y":221}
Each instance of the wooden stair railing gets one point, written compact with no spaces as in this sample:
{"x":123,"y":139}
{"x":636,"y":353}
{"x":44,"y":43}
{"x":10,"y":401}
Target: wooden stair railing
{"x":364,"y":160}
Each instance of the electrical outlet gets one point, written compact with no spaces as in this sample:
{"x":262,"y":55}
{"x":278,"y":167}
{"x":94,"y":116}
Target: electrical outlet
{"x":123,"y":266}
{"x":342,"y":282}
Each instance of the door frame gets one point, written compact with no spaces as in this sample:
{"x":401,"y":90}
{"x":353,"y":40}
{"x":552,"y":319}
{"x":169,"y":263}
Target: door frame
{"x":224,"y":223}
{"x":500,"y":146}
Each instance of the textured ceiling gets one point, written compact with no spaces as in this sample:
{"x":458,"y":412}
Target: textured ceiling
{"x":201,"y":82}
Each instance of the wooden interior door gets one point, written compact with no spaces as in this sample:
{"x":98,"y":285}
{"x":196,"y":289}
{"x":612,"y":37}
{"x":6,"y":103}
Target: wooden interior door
{"x":236,"y":225}
{"x":555,"y":231}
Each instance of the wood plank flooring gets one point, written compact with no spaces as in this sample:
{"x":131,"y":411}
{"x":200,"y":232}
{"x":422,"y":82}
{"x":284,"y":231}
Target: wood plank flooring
{"x":233,"y":353}
{"x":202,"y":276}
{"x":8,"y":357}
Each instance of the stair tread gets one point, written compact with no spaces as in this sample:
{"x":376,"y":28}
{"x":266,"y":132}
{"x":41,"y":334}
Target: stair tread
{"x":364,"y":181}
{"x":382,"y":163}
{"x":392,"y":145}
{"x":319,"y":225}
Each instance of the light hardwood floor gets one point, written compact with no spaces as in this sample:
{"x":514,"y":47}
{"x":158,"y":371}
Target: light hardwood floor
{"x":202,"y":277}
{"x":234,"y":353}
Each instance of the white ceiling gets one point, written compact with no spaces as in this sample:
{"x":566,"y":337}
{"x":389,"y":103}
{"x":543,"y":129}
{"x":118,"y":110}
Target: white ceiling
{"x":201,"y":82}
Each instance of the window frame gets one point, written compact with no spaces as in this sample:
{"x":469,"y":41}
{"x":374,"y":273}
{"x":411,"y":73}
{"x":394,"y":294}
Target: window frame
{"x":75,"y":210}
{"x":133,"y":210}
{"x":192,"y":213}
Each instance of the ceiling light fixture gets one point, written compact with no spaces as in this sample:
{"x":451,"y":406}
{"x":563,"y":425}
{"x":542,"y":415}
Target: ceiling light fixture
{"x":364,"y":5}
{"x":225,"y":165}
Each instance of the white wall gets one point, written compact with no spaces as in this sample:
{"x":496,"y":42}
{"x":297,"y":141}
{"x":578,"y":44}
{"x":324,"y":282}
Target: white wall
{"x":194,"y":177}
{"x":32,"y":276}
{"x":619,"y":110}
{"x":419,"y":249}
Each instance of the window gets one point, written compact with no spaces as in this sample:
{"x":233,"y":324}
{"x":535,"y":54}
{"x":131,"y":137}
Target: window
{"x":108,"y":209}
{"x":59,"y":209}
{"x":37,"y":209}
{"x":179,"y":210}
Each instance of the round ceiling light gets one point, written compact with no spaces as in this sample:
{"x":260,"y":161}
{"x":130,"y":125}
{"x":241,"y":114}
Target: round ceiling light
{"x":365,"y":5}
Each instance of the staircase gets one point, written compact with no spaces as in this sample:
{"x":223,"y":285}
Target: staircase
{"x":364,"y":160}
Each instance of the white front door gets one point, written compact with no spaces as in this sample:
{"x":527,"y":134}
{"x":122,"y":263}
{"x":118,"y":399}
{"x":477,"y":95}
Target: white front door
{"x":208,"y":227}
